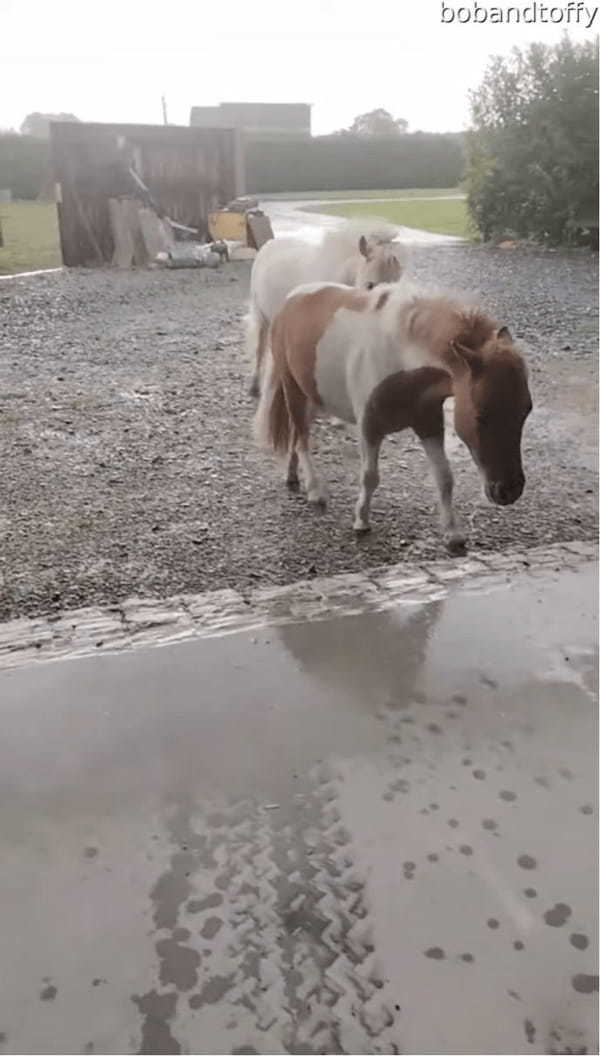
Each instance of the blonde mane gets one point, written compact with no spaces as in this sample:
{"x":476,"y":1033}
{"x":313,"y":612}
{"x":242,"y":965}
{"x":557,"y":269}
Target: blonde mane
{"x":342,"y":242}
{"x":429,"y":319}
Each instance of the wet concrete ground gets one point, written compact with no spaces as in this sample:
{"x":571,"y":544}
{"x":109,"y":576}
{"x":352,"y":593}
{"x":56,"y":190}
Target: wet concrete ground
{"x":365,"y":834}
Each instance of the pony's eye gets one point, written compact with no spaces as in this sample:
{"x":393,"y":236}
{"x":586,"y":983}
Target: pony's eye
{"x":370,"y":285}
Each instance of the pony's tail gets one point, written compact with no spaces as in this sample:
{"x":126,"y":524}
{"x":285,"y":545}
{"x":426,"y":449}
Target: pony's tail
{"x":272,"y":427}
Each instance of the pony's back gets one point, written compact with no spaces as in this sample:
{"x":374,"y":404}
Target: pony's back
{"x":284,"y":263}
{"x":280,"y":265}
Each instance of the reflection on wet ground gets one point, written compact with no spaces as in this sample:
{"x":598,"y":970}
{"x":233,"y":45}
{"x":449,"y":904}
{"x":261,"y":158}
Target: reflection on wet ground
{"x":368,"y":834}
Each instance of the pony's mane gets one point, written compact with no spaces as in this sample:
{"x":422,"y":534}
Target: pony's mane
{"x":342,"y":242}
{"x":475,"y":328}
{"x":438,"y":320}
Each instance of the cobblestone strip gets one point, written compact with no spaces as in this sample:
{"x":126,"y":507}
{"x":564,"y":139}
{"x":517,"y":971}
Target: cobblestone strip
{"x":147,"y":621}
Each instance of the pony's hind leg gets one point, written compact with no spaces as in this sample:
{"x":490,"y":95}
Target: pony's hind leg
{"x":291,"y":476}
{"x":454,"y":536}
{"x":369,"y":479}
{"x":316,"y":492}
{"x":257,"y":333}
{"x":301,"y":414}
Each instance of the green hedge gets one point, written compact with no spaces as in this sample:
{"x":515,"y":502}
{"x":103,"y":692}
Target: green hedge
{"x":24,"y":164}
{"x":325,"y":163}
{"x":275,"y":165}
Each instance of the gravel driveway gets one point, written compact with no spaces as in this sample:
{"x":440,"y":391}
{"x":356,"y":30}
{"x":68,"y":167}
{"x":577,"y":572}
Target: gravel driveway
{"x":127,"y":466}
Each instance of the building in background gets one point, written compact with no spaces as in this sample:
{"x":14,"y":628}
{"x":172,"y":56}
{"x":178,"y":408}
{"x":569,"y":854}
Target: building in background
{"x":255,"y":119}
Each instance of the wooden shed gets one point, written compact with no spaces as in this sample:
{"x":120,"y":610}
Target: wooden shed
{"x":189,"y":173}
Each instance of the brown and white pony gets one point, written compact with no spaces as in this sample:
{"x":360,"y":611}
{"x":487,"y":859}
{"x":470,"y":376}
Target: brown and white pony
{"x":387,"y":360}
{"x":360,"y":253}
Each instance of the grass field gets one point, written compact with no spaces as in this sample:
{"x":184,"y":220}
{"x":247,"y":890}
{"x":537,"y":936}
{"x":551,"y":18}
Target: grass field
{"x":30,"y":229}
{"x":30,"y":236}
{"x":324,"y":196}
{"x":441,"y":217}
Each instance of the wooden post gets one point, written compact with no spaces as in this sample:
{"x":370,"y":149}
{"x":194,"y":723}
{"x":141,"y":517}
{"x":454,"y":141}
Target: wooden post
{"x":131,"y":245}
{"x":154,"y":232}
{"x":122,"y":235}
{"x":87,"y":227}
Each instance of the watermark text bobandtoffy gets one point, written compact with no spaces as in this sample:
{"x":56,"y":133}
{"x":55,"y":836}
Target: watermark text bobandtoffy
{"x":531,"y":14}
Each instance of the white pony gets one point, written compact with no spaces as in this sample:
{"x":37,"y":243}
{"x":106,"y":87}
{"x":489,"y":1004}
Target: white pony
{"x":359,"y":253}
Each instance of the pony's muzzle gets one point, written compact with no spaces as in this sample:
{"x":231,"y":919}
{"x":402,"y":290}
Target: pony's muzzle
{"x":503,"y":493}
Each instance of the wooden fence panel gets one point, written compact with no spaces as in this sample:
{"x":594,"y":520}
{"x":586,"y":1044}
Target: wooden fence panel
{"x":189,"y":172}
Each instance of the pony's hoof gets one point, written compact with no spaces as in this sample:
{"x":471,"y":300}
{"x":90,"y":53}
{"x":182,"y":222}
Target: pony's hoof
{"x":361,"y":527}
{"x":455,"y":542}
{"x":254,"y":388}
{"x":292,"y":484}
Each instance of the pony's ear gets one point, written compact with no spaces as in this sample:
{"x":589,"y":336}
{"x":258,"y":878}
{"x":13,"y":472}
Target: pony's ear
{"x":461,"y":359}
{"x":504,"y":334}
{"x":363,"y":247}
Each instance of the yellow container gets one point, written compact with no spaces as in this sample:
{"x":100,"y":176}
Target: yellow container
{"x":230,"y":226}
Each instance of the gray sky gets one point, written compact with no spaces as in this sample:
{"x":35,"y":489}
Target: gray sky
{"x":110,"y":61}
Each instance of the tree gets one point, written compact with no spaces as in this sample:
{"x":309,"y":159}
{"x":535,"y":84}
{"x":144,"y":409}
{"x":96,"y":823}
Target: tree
{"x":532,"y":152}
{"x":375,"y":123}
{"x":38,"y":125}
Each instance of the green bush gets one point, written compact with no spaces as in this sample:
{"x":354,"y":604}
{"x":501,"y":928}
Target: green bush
{"x":532,"y":153}
{"x":351,"y":162}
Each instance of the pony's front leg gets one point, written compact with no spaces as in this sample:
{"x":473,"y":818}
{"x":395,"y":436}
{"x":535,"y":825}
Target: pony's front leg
{"x":454,"y":536}
{"x":369,"y":479}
